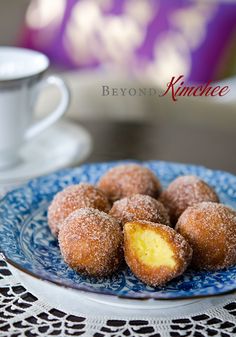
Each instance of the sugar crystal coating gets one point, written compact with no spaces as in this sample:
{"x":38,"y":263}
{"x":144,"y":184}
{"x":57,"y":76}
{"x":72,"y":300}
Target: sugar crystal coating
{"x":210,"y":228}
{"x":186,"y":191}
{"x":126,"y":180}
{"x":139,"y":207}
{"x":91,"y":242}
{"x":72,"y":198}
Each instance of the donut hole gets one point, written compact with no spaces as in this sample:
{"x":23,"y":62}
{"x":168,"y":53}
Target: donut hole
{"x":139,"y":207}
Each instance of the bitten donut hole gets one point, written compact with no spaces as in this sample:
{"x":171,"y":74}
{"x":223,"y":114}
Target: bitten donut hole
{"x":150,"y":247}
{"x":155,"y":253}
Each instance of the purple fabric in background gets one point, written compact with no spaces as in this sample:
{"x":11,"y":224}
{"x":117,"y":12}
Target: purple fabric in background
{"x":157,"y":37}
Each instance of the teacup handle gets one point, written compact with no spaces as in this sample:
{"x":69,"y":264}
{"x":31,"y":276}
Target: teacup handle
{"x":44,"y":123}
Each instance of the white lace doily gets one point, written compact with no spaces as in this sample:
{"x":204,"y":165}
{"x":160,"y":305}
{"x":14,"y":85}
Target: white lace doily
{"x":23,"y":314}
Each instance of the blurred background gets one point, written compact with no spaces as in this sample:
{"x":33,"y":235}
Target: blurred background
{"x":132,"y":44}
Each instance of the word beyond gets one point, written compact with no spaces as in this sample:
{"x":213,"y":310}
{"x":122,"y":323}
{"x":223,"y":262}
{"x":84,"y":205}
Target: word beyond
{"x":108,"y":91}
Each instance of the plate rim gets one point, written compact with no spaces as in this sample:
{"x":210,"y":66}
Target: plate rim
{"x":101,"y":292}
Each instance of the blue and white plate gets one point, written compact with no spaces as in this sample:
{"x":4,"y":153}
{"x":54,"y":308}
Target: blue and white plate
{"x":27,"y":244}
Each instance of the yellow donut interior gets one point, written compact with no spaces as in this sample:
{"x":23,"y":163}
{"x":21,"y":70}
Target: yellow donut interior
{"x":149,"y":246}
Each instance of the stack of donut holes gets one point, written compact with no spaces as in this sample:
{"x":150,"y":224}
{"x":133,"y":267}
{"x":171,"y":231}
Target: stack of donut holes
{"x":127,"y":217}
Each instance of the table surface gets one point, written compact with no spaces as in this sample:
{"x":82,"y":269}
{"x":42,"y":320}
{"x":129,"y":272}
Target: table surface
{"x":170,"y":141}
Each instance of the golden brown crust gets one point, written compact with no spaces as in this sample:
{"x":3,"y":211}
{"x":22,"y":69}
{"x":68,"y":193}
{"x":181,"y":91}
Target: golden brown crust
{"x":75,"y":197}
{"x":182,"y":253}
{"x":139,"y":207}
{"x":91,"y":242}
{"x":183,"y":192}
{"x":210,"y":228}
{"x":126,"y":180}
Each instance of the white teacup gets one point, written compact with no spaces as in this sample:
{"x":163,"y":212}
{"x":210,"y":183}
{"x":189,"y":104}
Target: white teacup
{"x":21,"y":72}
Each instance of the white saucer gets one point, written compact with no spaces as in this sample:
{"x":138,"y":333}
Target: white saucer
{"x":61,"y":145}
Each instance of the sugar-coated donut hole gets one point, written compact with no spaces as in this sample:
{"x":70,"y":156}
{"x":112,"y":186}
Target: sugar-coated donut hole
{"x":210,"y":228}
{"x":72,"y":198}
{"x":139,"y":207}
{"x":129,"y":179}
{"x":183,"y":192}
{"x":91,"y":242}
